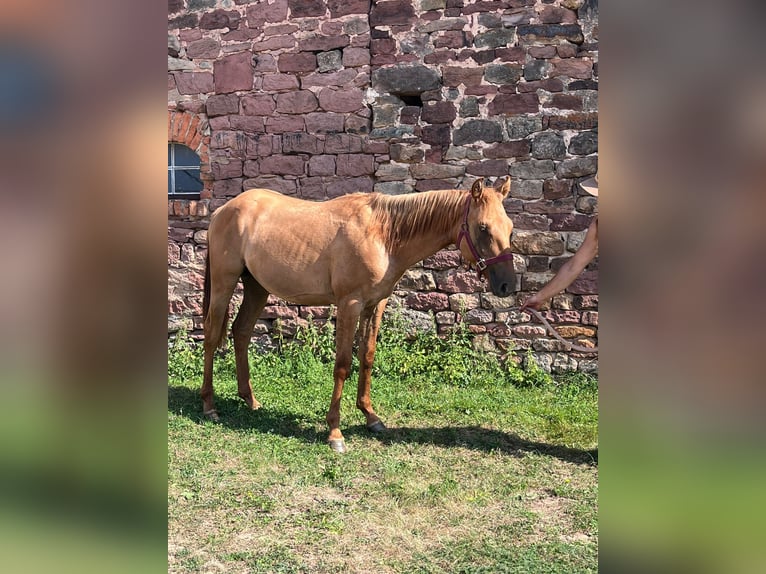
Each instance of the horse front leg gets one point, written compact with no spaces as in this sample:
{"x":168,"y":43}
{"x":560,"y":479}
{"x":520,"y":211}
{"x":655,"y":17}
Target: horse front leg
{"x":345,"y":328}
{"x":368,"y":328}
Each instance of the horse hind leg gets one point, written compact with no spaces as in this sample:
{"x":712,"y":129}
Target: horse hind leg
{"x":221,"y":287}
{"x":253,"y":302}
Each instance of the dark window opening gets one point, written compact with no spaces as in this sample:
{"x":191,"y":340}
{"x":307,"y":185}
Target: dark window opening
{"x":411,"y":100}
{"x":184,"y":180}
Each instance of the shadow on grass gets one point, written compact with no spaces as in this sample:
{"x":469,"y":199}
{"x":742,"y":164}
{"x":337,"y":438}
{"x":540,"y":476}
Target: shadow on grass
{"x":235,"y":415}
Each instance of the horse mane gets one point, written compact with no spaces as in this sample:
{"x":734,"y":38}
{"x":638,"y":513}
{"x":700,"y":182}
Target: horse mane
{"x":402,"y":218}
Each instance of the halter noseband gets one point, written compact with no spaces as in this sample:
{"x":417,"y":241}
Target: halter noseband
{"x":480,"y":262}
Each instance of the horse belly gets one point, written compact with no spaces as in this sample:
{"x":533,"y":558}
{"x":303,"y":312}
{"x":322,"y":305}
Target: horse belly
{"x":302,"y":283}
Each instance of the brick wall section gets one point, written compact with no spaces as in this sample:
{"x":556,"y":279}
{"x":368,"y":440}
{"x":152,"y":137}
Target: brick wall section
{"x":319,"y":98}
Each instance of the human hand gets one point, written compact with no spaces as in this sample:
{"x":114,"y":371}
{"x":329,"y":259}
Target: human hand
{"x":533,"y":302}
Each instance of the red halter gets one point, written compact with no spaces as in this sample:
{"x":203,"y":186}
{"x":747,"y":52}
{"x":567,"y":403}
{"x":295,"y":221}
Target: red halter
{"x":480,"y":262}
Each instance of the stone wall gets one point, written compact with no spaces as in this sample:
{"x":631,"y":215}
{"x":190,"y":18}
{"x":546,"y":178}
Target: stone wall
{"x":319,"y":98}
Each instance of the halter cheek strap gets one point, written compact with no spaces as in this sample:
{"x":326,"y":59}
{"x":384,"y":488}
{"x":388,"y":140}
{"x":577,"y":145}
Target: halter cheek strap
{"x":479,"y":261}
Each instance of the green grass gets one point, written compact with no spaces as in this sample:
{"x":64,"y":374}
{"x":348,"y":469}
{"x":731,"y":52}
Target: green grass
{"x":485,"y":467}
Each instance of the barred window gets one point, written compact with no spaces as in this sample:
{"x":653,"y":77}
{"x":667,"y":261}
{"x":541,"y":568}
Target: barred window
{"x":184,"y":181}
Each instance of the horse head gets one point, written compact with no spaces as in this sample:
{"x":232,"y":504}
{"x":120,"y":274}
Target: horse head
{"x":487,"y":230}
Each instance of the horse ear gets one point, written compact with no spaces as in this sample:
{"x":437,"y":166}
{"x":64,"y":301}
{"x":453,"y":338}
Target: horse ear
{"x":505,"y":188}
{"x":477,"y":188}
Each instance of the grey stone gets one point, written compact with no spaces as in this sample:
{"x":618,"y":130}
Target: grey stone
{"x":584,"y":143}
{"x":536,"y":70}
{"x":413,"y":321}
{"x":201,"y":4}
{"x":328,"y":61}
{"x":478,"y":130}
{"x":587,"y":204}
{"x":174,"y":45}
{"x":443,"y":24}
{"x":436,"y":171}
{"x":426,"y":5}
{"x":537,"y":243}
{"x":578,"y":167}
{"x":490,"y":20}
{"x":502,"y":73}
{"x":408,"y":80}
{"x":495,"y":38}
{"x":520,"y":127}
{"x":175,"y":64}
{"x":548,"y":145}
{"x":418,"y":279}
{"x":392,"y":132}
{"x":532,"y":169}
{"x":385,"y":111}
{"x":469,"y":107}
{"x":527,"y":189}
{"x":393,"y":187}
{"x":392,"y":172}
{"x":356,"y":26}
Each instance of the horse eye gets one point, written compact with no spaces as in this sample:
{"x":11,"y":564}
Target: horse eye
{"x":483,"y":227}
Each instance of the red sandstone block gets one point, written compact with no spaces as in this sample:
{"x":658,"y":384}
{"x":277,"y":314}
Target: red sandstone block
{"x":439,"y":57}
{"x":353,"y":165}
{"x":542,"y":52}
{"x":306,"y":8}
{"x":342,"y":143}
{"x":344,"y":7}
{"x":233,"y":72}
{"x":231,"y":169}
{"x":353,"y":57}
{"x":282,"y":165}
{"x":321,"y":165}
{"x":557,"y":15}
{"x":323,"y":43}
{"x":258,"y":105}
{"x":567,"y":102}
{"x":262,"y":12}
{"x":518,"y":148}
{"x":345,"y":185}
{"x":341,"y":100}
{"x":550,"y":85}
{"x":566,"y":50}
{"x":283,"y":124}
{"x":438,"y":112}
{"x":250,"y":124}
{"x":514,"y":104}
{"x":219,"y":123}
{"x":331,"y":28}
{"x":279,"y":82}
{"x":510,"y":54}
{"x":454,"y":76}
{"x":274,"y":43}
{"x":193,"y":83}
{"x":382,"y":46}
{"x":301,"y":62}
{"x":300,"y":102}
{"x":432,"y":301}
{"x":579,"y":68}
{"x":322,"y":123}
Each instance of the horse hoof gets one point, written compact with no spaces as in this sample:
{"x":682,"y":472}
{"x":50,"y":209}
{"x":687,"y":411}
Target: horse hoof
{"x":251,"y":402}
{"x":212,"y":415}
{"x":377,"y":427}
{"x":337,"y":444}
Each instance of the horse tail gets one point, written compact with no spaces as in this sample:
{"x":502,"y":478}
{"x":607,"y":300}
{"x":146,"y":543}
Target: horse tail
{"x":206,"y":289}
{"x":220,"y":343}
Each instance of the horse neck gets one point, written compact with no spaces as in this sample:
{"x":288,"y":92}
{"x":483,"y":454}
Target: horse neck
{"x":438,"y":229}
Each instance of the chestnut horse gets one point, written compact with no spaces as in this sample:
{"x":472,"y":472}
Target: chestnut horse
{"x":349,"y":252}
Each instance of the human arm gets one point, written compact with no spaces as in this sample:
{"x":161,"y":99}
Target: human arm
{"x":569,"y":271}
